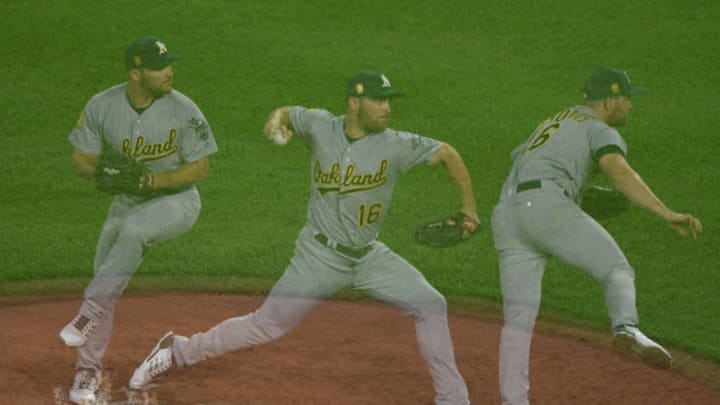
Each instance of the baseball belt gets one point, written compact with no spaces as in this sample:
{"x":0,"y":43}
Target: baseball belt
{"x":355,"y":253}
{"x":532,"y":185}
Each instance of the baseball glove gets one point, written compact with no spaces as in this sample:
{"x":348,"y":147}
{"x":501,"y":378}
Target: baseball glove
{"x":603,"y":202}
{"x":447,"y":232}
{"x":117,"y":173}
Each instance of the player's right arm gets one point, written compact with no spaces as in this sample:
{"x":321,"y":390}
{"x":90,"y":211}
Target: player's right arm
{"x":86,"y":140}
{"x":628,"y":181}
{"x":84,"y":164}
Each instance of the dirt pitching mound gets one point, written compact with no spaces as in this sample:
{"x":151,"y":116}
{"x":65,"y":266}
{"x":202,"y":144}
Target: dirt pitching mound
{"x":344,"y":352}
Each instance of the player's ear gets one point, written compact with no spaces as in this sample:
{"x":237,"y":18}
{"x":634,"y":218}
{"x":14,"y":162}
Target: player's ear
{"x":608,"y":103}
{"x":353,"y":103}
{"x":134,"y":74}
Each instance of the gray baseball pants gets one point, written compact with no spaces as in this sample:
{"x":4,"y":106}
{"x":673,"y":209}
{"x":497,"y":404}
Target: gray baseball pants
{"x":129,"y":229}
{"x":529,"y":227}
{"x":316,"y":272}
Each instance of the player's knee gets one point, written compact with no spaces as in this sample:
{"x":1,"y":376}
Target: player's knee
{"x":619,"y":274}
{"x":432,"y":302}
{"x":132,"y":234}
{"x":437,"y":303}
{"x":273,"y":330}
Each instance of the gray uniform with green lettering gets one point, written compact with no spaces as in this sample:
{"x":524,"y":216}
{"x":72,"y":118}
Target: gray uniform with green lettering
{"x":351,"y":188}
{"x":538,"y":217}
{"x":169,"y":133}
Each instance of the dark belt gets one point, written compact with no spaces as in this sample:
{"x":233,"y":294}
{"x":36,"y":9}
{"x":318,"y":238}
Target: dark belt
{"x":356,"y":253}
{"x":528,"y":185}
{"x":532,"y":185}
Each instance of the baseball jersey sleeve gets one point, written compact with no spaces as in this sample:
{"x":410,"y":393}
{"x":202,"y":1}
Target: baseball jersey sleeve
{"x":604,"y":140}
{"x":415,"y":149}
{"x":86,"y":136}
{"x":304,"y":120}
{"x":198,"y":140}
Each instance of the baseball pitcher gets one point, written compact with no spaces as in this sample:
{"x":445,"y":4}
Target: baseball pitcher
{"x":149,"y":145}
{"x":355,"y":163}
{"x":538,"y":217}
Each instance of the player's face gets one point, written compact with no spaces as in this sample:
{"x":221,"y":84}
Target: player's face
{"x":157,"y":82}
{"x":374,"y":114}
{"x":620,"y":110}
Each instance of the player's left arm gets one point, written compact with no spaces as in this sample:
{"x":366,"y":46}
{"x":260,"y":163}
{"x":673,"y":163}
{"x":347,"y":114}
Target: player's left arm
{"x":185,"y":175}
{"x":628,"y":181}
{"x":459,"y":175}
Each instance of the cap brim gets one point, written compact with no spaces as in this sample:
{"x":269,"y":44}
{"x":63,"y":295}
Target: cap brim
{"x":388,"y":93}
{"x":167,"y":60}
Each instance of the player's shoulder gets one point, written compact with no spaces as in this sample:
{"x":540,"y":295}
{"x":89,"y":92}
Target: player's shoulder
{"x":598,"y":129}
{"x":180,"y":99}
{"x":581,"y":118}
{"x":595,"y":126}
{"x":392,"y":134}
{"x":108,"y":101}
{"x":400,"y":135}
{"x":403,"y":139}
{"x":181,"y":106}
{"x":110,"y":94}
{"x":578,"y":114}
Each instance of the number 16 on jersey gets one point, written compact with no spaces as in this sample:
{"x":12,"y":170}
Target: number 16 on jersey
{"x":368,"y":213}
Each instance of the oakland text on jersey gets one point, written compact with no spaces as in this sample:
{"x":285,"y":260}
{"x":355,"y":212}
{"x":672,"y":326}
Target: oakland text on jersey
{"x":150,"y":151}
{"x":355,"y":182}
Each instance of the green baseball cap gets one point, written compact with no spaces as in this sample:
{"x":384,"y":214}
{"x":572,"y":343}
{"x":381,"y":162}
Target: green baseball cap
{"x":148,"y":52}
{"x":609,"y":82}
{"x":371,"y":84}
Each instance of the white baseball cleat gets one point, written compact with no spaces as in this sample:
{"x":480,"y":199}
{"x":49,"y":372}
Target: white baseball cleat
{"x":157,"y":362}
{"x":630,"y":338}
{"x":85,"y":385}
{"x":76,"y":333}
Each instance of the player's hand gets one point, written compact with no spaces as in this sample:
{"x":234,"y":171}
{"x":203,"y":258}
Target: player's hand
{"x":272,"y":127}
{"x":277,"y":126}
{"x":684,"y":224}
{"x":448,"y":231}
{"x":470,"y":226}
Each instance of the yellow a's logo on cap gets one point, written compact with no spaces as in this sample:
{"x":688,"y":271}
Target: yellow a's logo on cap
{"x":615,"y":88}
{"x":359,"y":88}
{"x":137,"y":60}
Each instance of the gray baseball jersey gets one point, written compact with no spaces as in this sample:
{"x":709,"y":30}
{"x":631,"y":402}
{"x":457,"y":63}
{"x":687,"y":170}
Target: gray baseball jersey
{"x":538,"y":217}
{"x":172,"y":131}
{"x":352,"y":183}
{"x":564,"y":149}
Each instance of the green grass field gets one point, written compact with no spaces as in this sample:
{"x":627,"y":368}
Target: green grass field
{"x":479,"y":75}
